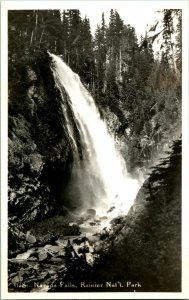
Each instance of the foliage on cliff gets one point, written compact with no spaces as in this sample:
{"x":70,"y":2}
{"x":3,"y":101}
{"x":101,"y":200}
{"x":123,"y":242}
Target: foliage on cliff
{"x":145,"y":246}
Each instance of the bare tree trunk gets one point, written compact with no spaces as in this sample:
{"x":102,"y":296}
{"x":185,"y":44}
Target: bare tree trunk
{"x":41,"y":36}
{"x":120,"y":77}
{"x":173,"y":52}
{"x":36,"y":22}
{"x":31,"y":39}
{"x":77,"y":58}
{"x":36,"y":17}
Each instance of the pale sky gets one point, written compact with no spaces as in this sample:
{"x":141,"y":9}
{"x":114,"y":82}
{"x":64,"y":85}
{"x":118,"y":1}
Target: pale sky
{"x":135,"y":17}
{"x":137,"y":13}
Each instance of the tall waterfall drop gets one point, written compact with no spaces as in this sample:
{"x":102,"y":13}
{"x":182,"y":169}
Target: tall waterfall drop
{"x":99,"y":177}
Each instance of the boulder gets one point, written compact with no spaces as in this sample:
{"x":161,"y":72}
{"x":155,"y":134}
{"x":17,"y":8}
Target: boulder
{"x":23,"y":255}
{"x":30,"y":238}
{"x":42,"y":255}
{"x":56,"y":259}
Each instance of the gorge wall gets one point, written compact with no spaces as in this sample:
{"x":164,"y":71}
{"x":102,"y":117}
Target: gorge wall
{"x":39,"y":152}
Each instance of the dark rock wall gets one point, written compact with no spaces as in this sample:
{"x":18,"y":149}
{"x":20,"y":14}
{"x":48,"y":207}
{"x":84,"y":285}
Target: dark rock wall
{"x":39,"y":151}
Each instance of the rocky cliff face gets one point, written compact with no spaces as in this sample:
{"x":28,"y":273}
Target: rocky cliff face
{"x":39,"y":153}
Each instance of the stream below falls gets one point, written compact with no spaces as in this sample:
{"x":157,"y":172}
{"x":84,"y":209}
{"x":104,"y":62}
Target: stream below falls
{"x":39,"y":268}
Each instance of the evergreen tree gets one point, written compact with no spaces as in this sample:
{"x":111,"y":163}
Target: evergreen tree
{"x":114,"y":36}
{"x":87,"y":67}
{"x":178,"y":53}
{"x":100,"y":58}
{"x":171,"y":46}
{"x":65,"y":50}
{"x":75,"y":24}
{"x":53,"y":24}
{"x":114,"y":60}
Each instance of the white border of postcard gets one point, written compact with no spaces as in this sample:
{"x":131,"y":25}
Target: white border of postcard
{"x":94,"y":6}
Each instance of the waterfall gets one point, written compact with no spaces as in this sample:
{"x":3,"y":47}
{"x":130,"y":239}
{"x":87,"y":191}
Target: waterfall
{"x":99,"y":176}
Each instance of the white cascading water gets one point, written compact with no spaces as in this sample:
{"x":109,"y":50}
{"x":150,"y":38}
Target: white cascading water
{"x":99,"y":179}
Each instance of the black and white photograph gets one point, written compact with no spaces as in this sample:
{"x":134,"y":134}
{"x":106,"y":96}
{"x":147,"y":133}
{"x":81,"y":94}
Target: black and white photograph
{"x":94,"y":178}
